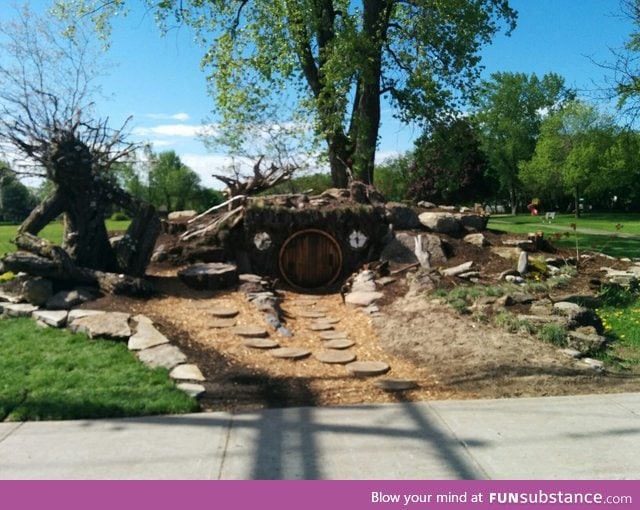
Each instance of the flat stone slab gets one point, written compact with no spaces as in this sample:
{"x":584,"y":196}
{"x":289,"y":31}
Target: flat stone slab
{"x":362,"y":298}
{"x":167,"y":356}
{"x":113,"y":325}
{"x":55,"y":318}
{"x":311,"y":314}
{"x":367,"y":368}
{"x":186,"y":372}
{"x":332,"y":335}
{"x":385,"y":280}
{"x":146,"y":335}
{"x":223,"y":311}
{"x":335,"y":357}
{"x":192,"y":389}
{"x":395,"y":384}
{"x":222,"y":323}
{"x":326,"y":320}
{"x":260,"y":343}
{"x":79,"y":313}
{"x":251,"y":331}
{"x":18,"y":309}
{"x":339,"y":343}
{"x":290,"y":353}
{"x":320,"y":326}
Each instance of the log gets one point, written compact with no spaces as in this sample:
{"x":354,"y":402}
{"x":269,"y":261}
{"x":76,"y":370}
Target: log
{"x":66,"y":271}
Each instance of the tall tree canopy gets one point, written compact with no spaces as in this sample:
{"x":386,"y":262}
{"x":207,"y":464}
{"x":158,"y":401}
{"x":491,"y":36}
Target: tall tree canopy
{"x":573,"y":153}
{"x":333,"y":60}
{"x":509,"y":110}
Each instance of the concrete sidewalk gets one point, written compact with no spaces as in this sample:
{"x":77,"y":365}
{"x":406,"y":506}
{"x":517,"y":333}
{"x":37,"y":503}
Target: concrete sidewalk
{"x":586,"y":437}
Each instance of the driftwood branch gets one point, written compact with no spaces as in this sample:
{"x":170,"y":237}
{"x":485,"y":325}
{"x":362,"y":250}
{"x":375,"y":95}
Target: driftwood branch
{"x":262,"y":179}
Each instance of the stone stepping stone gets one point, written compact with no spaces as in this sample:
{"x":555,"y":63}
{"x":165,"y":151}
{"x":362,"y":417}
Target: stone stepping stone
{"x":339,"y":343}
{"x":18,"y":309}
{"x":55,"y":318}
{"x":335,"y":357}
{"x":290,"y":353}
{"x":186,"y":372}
{"x":312,"y":314}
{"x":395,"y":384}
{"x":109,"y":325}
{"x":320,"y":309}
{"x":366,"y":368}
{"x":306,"y":302}
{"x":223,"y":311}
{"x":260,"y":343}
{"x":320,"y":326}
{"x":146,"y":335}
{"x":333,"y":335}
{"x":251,"y":331}
{"x":362,"y":298}
{"x":166,"y":355}
{"x":222,"y":323}
{"x":326,"y":320}
{"x":192,"y":389}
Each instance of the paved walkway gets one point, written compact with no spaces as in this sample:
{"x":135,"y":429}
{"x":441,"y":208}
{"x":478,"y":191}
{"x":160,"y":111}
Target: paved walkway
{"x":586,"y":437}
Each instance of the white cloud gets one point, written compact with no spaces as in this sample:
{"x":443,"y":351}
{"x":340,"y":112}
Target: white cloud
{"x":182,"y":117}
{"x":176,"y":130}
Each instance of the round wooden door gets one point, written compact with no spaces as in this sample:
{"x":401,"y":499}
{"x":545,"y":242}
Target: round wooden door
{"x":310,"y":259}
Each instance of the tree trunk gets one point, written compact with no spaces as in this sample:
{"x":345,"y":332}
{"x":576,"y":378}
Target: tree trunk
{"x":43,"y":258}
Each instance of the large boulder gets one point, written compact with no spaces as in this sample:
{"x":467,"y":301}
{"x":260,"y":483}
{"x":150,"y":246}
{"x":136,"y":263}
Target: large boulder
{"x":473,"y":222}
{"x":401,"y":216}
{"x":440,"y":222}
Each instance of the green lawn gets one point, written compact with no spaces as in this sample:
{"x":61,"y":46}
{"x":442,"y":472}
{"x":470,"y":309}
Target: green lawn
{"x":610,"y":238}
{"x":51,"y":374}
{"x":52,"y":232}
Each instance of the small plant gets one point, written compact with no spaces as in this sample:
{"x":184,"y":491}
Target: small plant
{"x":6,"y":277}
{"x":119,"y":216}
{"x":512,"y":324}
{"x":554,"y":334}
{"x":617,"y":296}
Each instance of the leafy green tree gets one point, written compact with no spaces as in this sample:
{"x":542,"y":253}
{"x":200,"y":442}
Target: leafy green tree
{"x":16,"y":200}
{"x":509,"y":110}
{"x":449,"y":165}
{"x":393,"y":177}
{"x":573,"y":152}
{"x":172,"y":185}
{"x":332,"y":61}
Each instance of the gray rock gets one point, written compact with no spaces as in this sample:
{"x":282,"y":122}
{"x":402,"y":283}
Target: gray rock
{"x":362,"y":298}
{"x":441,"y":222}
{"x":473,"y":222}
{"x":400,"y":250}
{"x":364,"y":281}
{"x":476,"y":239}
{"x":514,"y":279}
{"x":78,"y":313}
{"x":572,"y":353}
{"x":586,"y":344}
{"x":523,"y":263}
{"x":18,"y":309}
{"x":37,"y":291}
{"x":426,"y":205}
{"x":401,"y":216}
{"x":146,"y":335}
{"x":192,"y":389}
{"x":594,"y":364}
{"x":186,"y":372}
{"x":586,"y":300}
{"x":55,"y":318}
{"x":166,"y":356}
{"x":565,"y":307}
{"x":428,"y":250}
{"x":113,"y":325}
{"x":67,"y":299}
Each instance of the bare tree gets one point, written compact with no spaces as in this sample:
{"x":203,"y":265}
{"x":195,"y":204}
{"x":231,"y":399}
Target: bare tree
{"x":47,"y":116}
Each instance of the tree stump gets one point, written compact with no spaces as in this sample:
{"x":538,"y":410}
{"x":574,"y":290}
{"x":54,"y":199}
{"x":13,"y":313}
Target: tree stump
{"x":212,"y":276}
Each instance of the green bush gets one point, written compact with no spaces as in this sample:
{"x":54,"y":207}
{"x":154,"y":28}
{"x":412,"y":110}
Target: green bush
{"x":119,"y":216}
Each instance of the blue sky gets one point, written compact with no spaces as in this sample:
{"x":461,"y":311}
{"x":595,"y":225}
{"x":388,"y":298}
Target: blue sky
{"x":158,"y":80}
